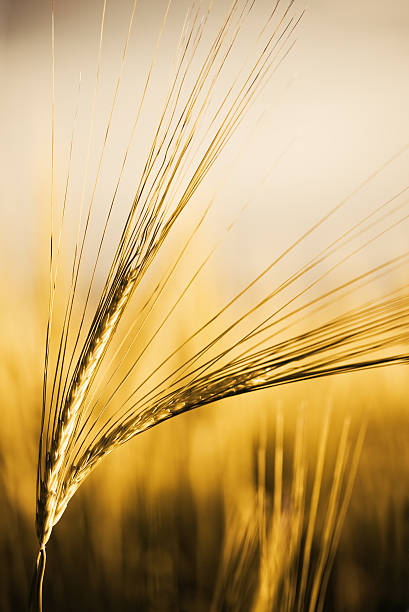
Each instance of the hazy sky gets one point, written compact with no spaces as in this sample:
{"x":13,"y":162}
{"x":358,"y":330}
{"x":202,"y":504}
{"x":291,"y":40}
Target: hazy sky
{"x":338,"y":105}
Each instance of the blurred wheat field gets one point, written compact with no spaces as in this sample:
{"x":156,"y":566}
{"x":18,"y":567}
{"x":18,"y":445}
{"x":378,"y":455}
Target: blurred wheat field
{"x":164,"y":541}
{"x":292,"y":498}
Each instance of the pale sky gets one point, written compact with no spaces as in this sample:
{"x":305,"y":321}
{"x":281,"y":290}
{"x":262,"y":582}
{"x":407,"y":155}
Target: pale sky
{"x":337,"y":108}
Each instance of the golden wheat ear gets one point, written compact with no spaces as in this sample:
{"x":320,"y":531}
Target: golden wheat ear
{"x":80,"y":423}
{"x":152,"y":216}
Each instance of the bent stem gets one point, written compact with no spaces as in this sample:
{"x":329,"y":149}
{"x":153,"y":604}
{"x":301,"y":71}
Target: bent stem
{"x":36,"y":594}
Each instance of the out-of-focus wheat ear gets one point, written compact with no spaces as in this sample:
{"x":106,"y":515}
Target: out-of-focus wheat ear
{"x":342,"y":510}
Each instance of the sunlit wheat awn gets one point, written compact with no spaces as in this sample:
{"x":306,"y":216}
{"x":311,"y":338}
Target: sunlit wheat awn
{"x":85,"y":414}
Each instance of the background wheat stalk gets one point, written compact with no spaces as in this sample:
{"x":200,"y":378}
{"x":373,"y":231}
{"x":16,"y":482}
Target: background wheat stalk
{"x":79,"y":425}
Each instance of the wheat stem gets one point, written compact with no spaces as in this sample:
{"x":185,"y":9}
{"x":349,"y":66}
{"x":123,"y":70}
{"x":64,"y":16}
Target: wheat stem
{"x":36,"y":593}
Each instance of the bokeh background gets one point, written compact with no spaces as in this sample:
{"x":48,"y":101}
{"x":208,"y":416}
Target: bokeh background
{"x":162,"y":524}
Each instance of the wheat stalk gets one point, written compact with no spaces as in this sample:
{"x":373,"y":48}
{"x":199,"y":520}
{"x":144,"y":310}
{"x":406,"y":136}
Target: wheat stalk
{"x":73,"y":441}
